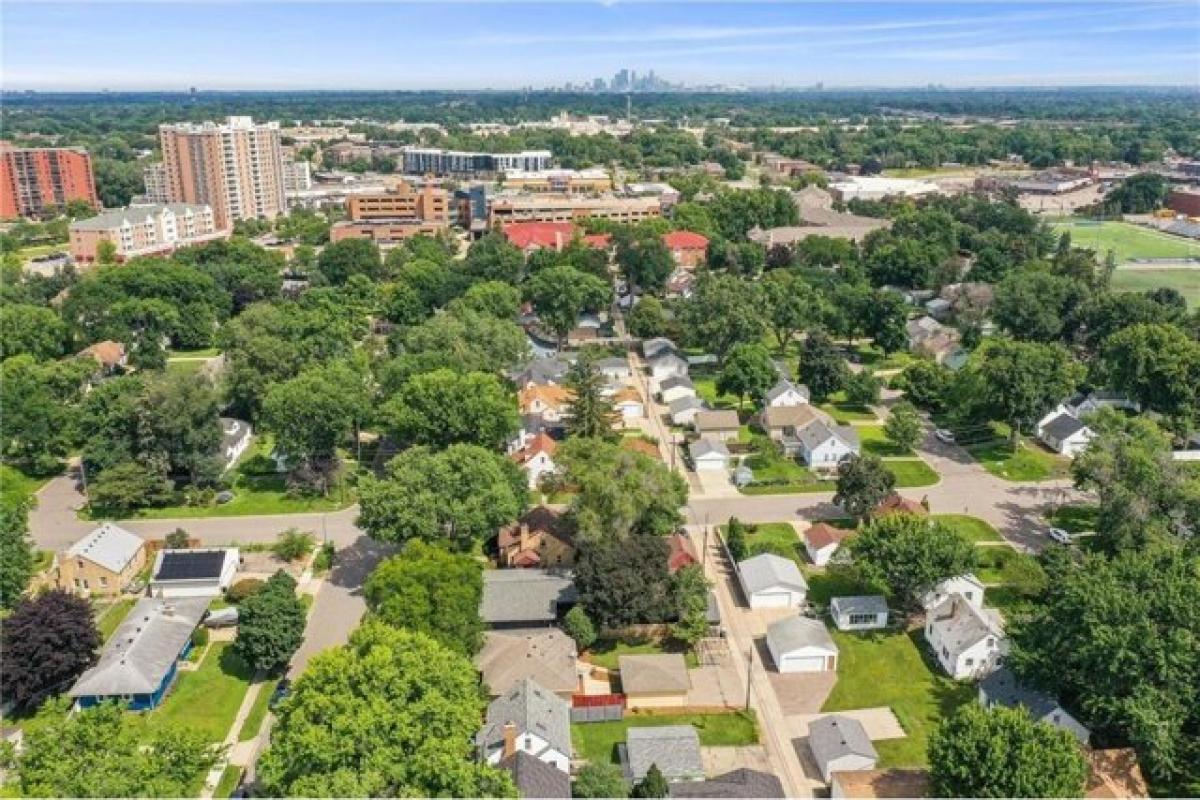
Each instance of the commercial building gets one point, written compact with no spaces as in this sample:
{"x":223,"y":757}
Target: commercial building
{"x":562,"y":208}
{"x":297,"y":175}
{"x":560,"y":181}
{"x":236,"y":167}
{"x":35,"y":180}
{"x":312,"y":134}
{"x":422,"y":160}
{"x":389,"y":217}
{"x":344,"y":153}
{"x":145,"y":230}
{"x":155,"y":178}
{"x":1184,"y":201}
{"x":875,"y":188}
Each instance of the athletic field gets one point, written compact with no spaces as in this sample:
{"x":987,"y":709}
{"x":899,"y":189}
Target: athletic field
{"x":1127,"y":241}
{"x":1185,"y":281}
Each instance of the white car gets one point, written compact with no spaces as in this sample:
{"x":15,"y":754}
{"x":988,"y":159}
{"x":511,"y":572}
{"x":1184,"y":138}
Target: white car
{"x":1060,"y":536}
{"x":944,"y":435}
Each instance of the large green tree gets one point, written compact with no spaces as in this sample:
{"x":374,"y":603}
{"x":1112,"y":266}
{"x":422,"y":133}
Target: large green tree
{"x":822,"y":368}
{"x":909,"y":554}
{"x":792,"y":305}
{"x":722,"y":312}
{"x":1003,"y":752}
{"x":862,"y":483}
{"x":1159,"y":366}
{"x":591,"y":412}
{"x":40,"y":409}
{"x":903,"y":426}
{"x":270,"y":624}
{"x":560,"y":294}
{"x":47,"y":642}
{"x":31,"y":329}
{"x":625,"y":582}
{"x":492,"y":258}
{"x":445,"y":407}
{"x":1018,"y":382}
{"x":16,"y":553}
{"x":645,"y":262}
{"x":341,"y":260}
{"x":747,"y":372}
{"x":415,"y":705}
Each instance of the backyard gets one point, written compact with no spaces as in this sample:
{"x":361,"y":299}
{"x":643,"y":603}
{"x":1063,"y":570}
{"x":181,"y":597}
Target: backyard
{"x":606,"y":652}
{"x":597,"y":741}
{"x":207,"y":699}
{"x":868,"y":668}
{"x":1127,"y":241}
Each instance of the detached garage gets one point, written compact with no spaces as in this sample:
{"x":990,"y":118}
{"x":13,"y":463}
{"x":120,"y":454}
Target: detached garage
{"x":771,"y":581}
{"x":801,"y":644}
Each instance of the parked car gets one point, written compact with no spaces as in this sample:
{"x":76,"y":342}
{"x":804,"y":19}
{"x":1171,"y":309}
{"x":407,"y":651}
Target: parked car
{"x":282,"y":690}
{"x":222,"y":618}
{"x":1060,"y":536}
{"x":944,"y":435}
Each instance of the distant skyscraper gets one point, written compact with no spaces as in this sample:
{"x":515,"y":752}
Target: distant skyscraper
{"x":35,"y":179}
{"x":235,"y":167}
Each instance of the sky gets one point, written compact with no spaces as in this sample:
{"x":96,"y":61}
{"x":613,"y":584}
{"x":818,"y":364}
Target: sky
{"x":260,"y":44}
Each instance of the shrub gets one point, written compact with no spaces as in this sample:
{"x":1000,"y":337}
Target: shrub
{"x":325,"y":556}
{"x":579,"y":627}
{"x":200,"y":637}
{"x":735,"y":538}
{"x":293,"y":544}
{"x":243,"y":589}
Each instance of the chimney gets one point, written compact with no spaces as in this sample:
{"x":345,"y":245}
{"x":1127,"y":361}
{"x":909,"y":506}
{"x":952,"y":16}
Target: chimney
{"x":510,"y":739}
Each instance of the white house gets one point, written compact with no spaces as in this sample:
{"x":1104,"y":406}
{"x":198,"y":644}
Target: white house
{"x":628,"y":403}
{"x":653,"y":348}
{"x":193,"y":573}
{"x":967,"y":585}
{"x":667,"y":365}
{"x":616,"y":369}
{"x":840,"y":744}
{"x":966,"y":640}
{"x":859,"y":613}
{"x":528,"y":719}
{"x":1002,"y":688}
{"x":235,"y":438}
{"x":785,"y":393}
{"x":771,"y":581}
{"x":536,"y":458}
{"x":1065,"y":434}
{"x":801,"y":644}
{"x":822,"y":540}
{"x":824,"y":446}
{"x":709,"y":454}
{"x":684,"y":410}
{"x":676,"y":388}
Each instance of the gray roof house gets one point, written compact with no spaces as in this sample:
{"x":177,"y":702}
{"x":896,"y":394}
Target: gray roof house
{"x":684,"y":410}
{"x":534,"y":777}
{"x":522,"y":598}
{"x":784,"y":392}
{"x":840,"y":744}
{"x":859,"y":612}
{"x":1003,"y":688}
{"x":674,"y":748}
{"x":541,"y":726}
{"x":742,"y":782}
{"x":676,"y":382}
{"x":139,"y":661}
{"x":614,"y":367}
{"x":709,"y":454}
{"x":657,"y":346}
{"x":542,"y":371}
{"x":545,"y":655}
{"x":771,"y":581}
{"x":801,"y":644}
{"x":823,"y":446}
{"x":723,"y":425}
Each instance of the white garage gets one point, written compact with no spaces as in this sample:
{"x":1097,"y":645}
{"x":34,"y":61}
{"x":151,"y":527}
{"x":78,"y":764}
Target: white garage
{"x":801,"y":644}
{"x":771,"y":581}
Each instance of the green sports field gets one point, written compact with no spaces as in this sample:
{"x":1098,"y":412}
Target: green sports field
{"x":1127,"y":241}
{"x":1185,"y":281}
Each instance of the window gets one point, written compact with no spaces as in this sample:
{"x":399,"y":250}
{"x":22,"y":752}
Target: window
{"x":103,"y":581}
{"x":862,"y":619}
{"x":969,"y":595}
{"x":78,"y":583}
{"x":970,"y":662}
{"x":528,"y":742}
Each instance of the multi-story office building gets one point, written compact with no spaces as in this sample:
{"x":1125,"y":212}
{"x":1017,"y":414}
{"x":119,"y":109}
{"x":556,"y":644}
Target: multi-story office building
{"x":35,"y":180}
{"x":559,"y":181}
{"x":297,"y":175}
{"x":145,"y":230}
{"x":428,"y":160}
{"x":236,"y":167}
{"x":565,"y":208}
{"x":388,"y":217}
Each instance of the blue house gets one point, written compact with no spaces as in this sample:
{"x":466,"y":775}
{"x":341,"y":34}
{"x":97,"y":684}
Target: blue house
{"x":141,"y":659}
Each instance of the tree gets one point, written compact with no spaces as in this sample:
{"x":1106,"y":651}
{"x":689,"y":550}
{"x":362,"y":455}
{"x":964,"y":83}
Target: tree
{"x":1139,"y":194}
{"x":270,"y":625}
{"x":491,"y":299}
{"x":176,"y":540}
{"x":560,"y":294}
{"x":129,"y":485}
{"x":445,"y":407}
{"x":722,"y":312}
{"x":862,"y":483}
{"x":600,"y":780}
{"x":735,"y":539}
{"x":341,"y":260}
{"x":926,"y":384}
{"x":903,"y":426}
{"x":1159,"y":366}
{"x":31,"y":329}
{"x":578,"y":625}
{"x":653,"y":785}
{"x":645,"y":262}
{"x":430,"y":590}
{"x":908,"y":555}
{"x":106,"y":253}
{"x":417,"y":706}
{"x":747,"y":372}
{"x":1018,"y":382}
{"x":624,"y":582}
{"x":1003,"y":752}
{"x":591,"y":412}
{"x":1036,"y":306}
{"x":822,"y":368}
{"x":40,"y":403}
{"x":646,"y":319}
{"x":48,"y":641}
{"x":792,"y":305}
{"x":461,"y":494}
{"x":1098,"y":616}
{"x":493,"y":258}
{"x":690,"y":591}
{"x":310,"y":416}
{"x":461,"y":340}
{"x":16,"y":553}
{"x":885,"y":318}
{"x":104,"y":751}
{"x":862,"y":388}
{"x":293,"y":544}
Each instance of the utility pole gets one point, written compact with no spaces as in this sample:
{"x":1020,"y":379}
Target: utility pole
{"x":749,"y":672}
{"x":83,"y":475}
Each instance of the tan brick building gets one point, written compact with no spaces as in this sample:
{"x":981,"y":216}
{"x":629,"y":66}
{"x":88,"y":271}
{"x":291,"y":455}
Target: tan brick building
{"x":387,"y":217}
{"x":568,"y":208}
{"x":102,"y":563}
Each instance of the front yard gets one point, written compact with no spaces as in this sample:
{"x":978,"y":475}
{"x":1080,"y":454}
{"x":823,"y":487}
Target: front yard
{"x":207,"y":699}
{"x":888,"y":668}
{"x":597,"y":741}
{"x":778,"y":474}
{"x":844,"y":412}
{"x":973,"y":529}
{"x":1029,"y":461}
{"x":876,"y":442}
{"x":17,"y":486}
{"x":911,"y":473}
{"x":779,"y":538}
{"x":606,"y":652}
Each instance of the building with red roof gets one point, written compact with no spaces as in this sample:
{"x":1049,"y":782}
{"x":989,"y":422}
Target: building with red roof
{"x":687,"y":248}
{"x":895,"y":504}
{"x":530,"y":236}
{"x":822,"y":540}
{"x":682,"y":553}
{"x":540,"y":538}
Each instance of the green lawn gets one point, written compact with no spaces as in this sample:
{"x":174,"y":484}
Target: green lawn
{"x":911,"y":473}
{"x":775,"y":537}
{"x":876,"y":442}
{"x":1029,"y":462}
{"x":834,"y":580}
{"x":1075,"y":519}
{"x":888,"y":669}
{"x":973,"y":529}
{"x":204,"y":352}
{"x":606,"y":652}
{"x":17,"y":486}
{"x":112,"y":617}
{"x":844,"y":413}
{"x":1006,"y":598}
{"x":778,"y":474}
{"x":1185,"y":281}
{"x":1127,"y":241}
{"x":258,"y":711}
{"x":1001,"y":564}
{"x":597,"y":741}
{"x":207,"y":699}
{"x":186,"y":367}
{"x":871,"y":356}
{"x":706,"y":388}
{"x":229,"y":781}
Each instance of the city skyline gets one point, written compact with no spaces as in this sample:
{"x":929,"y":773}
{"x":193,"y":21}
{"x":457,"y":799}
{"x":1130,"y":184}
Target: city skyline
{"x":480,"y":45}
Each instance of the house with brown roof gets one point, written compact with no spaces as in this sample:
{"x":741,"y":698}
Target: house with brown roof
{"x":654,"y":681}
{"x":545,"y":655}
{"x":550,"y":402}
{"x":896,"y":504}
{"x":627,"y":402}
{"x":721,"y":426}
{"x":540,"y":538}
{"x":536,"y":458}
{"x":1114,"y":772}
{"x":682,"y":553}
{"x":822,"y":540}
{"x":109,"y":355}
{"x":782,"y":424}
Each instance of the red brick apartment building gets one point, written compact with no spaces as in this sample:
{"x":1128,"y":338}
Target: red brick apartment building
{"x":37,"y":178}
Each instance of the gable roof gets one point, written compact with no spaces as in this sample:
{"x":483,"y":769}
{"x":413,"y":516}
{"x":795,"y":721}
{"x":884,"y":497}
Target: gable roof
{"x":667,"y":358}
{"x":674,"y":748}
{"x":525,"y":595}
{"x":547,"y":655}
{"x":551,"y":395}
{"x":895,"y":503}
{"x":657,"y":346}
{"x":685,"y":403}
{"x":541,"y":443}
{"x":681,"y":552}
{"x":144,"y":648}
{"x":774,"y":417}
{"x":738,"y":783}
{"x":717,"y":421}
{"x":110,"y":546}
{"x":1003,"y":688}
{"x":543,"y":370}
{"x":658,"y":673}
{"x":539,"y":519}
{"x":818,"y":433}
{"x":767,"y":570}
{"x":1064,"y":426}
{"x":534,"y":777}
{"x":552,"y":235}
{"x":677,"y":381}
{"x":612,"y":363}
{"x":859,"y":604}
{"x":822,"y":534}
{"x":835,"y":736}
{"x":796,"y":632}
{"x":960,"y":624}
{"x":782,"y":387}
{"x":704,"y":447}
{"x":107,"y":353}
{"x":533,"y":709}
{"x":190,"y":565}
{"x":684,"y":240}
